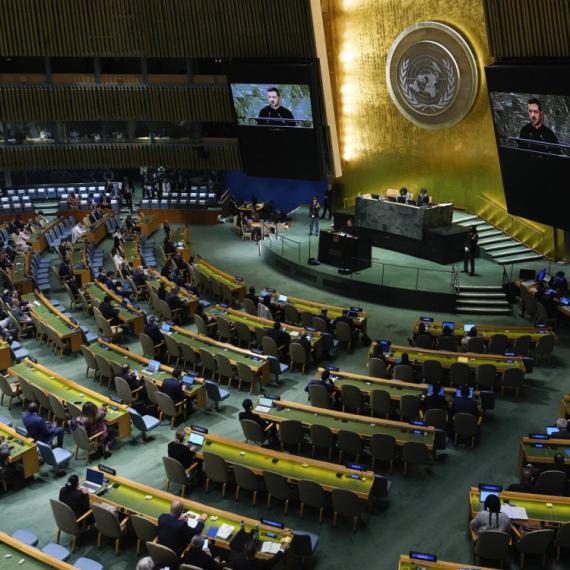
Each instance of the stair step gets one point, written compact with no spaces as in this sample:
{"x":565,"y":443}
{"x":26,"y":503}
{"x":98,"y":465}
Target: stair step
{"x":475,"y":310}
{"x":494,"y":240}
{"x":505,"y":254}
{"x":488,"y":288}
{"x":531,"y":257}
{"x":486,"y":302}
{"x":467,"y":218}
{"x":484,"y":230}
{"x":482,"y":295}
{"x":477,"y":224}
{"x":504,"y":245}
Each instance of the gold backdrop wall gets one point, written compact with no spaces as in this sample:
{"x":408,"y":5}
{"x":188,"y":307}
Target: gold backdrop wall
{"x":380,"y":148}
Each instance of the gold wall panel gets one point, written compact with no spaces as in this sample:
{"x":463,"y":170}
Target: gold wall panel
{"x":156,"y":28}
{"x":73,"y":157}
{"x":380,"y":148}
{"x":114,"y":103}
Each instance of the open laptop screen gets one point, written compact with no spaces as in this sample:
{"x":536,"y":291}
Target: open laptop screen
{"x":196,"y":439}
{"x":154,"y":364}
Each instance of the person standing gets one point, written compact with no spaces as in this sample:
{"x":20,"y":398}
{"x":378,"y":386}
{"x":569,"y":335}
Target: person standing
{"x":128,"y":193}
{"x":470,"y":249}
{"x":328,"y":202}
{"x":314,"y":208}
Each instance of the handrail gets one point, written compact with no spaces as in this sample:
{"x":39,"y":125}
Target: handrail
{"x":283,"y":240}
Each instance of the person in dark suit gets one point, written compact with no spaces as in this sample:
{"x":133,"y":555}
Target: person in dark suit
{"x":558,"y":465}
{"x":133,"y":380}
{"x":39,"y":429}
{"x":325,"y":381}
{"x":139,"y":277}
{"x":328,"y":198}
{"x":280,"y":337}
{"x":76,"y":499}
{"x":563,"y":432}
{"x":65,"y":269}
{"x":173,"y":300}
{"x":250,"y":562}
{"x":152,"y":331}
{"x":98,"y":213}
{"x":179,"y":261}
{"x":131,"y":225}
{"x":423,"y":198}
{"x":323,"y":316}
{"x":173,"y":388}
{"x":252,"y":296}
{"x":161,"y":293}
{"x":64,"y":249}
{"x":305,"y":342}
{"x":93,"y":216}
{"x":200,"y":557}
{"x":525,"y":485}
{"x":73,"y":284}
{"x":169,"y":248}
{"x":182,"y":452}
{"x":248,"y":414}
{"x":112,"y":286}
{"x":173,"y":529}
{"x":109,"y":311}
{"x":464,"y":404}
{"x":433,"y":401}
{"x":166,"y":228}
{"x":344,"y":318}
{"x":102,"y":276}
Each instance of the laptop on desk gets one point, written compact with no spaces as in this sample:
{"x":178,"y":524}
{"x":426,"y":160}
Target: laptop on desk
{"x":93,"y":481}
{"x":282,"y":299}
{"x":153,"y":366}
{"x":196,"y":439}
{"x":165,"y":329}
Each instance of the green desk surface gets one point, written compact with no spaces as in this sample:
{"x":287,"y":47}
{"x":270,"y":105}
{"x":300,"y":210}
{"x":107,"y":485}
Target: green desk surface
{"x":213,"y":272}
{"x":46,"y":313}
{"x":18,"y":449}
{"x":366,"y":427}
{"x":436,"y":328}
{"x":69,"y":392}
{"x":77,"y":258}
{"x":12,"y":563}
{"x":155,"y":282}
{"x":157,"y":377}
{"x":19,"y":270}
{"x":35,"y":236}
{"x":550,"y":449}
{"x":131,"y":249}
{"x":288,"y":468}
{"x":94,"y":227}
{"x":177,"y":236}
{"x":536,"y":509}
{"x":125,"y":314}
{"x":396,"y":392}
{"x":234,"y":355}
{"x":439,"y":565}
{"x":236,"y":316}
{"x":147,"y":220}
{"x":447,"y":360}
{"x":132,"y":498}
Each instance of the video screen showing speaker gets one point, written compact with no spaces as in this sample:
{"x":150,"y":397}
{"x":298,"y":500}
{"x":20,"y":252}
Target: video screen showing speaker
{"x":279,"y":119}
{"x":531,"y":116}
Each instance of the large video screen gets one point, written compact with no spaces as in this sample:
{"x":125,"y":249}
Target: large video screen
{"x":278,"y":106}
{"x":531,"y":117}
{"x":281,"y":131}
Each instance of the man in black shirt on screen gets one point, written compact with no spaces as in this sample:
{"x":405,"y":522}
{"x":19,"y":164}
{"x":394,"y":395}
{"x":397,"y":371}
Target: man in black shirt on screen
{"x":275,"y":111}
{"x":537,"y":131}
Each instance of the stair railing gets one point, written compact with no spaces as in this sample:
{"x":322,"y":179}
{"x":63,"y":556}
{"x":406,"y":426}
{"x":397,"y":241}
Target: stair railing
{"x":455,"y":279}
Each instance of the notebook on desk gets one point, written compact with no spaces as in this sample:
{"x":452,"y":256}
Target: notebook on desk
{"x":153,"y":366}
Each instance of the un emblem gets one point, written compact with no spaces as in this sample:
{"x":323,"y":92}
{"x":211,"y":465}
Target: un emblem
{"x":432,"y":75}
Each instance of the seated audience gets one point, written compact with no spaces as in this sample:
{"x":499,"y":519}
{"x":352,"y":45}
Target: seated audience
{"x":39,"y":429}
{"x":173,"y":529}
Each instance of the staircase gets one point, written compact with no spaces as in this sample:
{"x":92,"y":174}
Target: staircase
{"x":497,"y":246}
{"x":482,"y":300}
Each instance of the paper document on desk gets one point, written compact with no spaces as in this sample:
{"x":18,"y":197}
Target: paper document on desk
{"x":192,"y":523}
{"x":271,"y":547}
{"x":225,"y":531}
{"x":262,"y":409}
{"x":518,"y":513}
{"x":294,"y":333}
{"x":528,"y":283}
{"x":462,"y":359}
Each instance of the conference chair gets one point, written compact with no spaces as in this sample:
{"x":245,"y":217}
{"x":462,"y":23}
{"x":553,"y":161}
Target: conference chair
{"x":105,"y":370}
{"x":216,"y":292}
{"x":543,"y":318}
{"x":169,"y":408}
{"x":431,"y":371}
{"x":498,"y":344}
{"x":344,"y":334}
{"x":124,"y":391}
{"x":562,"y":539}
{"x":151,"y":391}
{"x":493,"y":545}
{"x":476,"y":344}
{"x":215,"y":393}
{"x":349,"y":442}
{"x":485,"y":376}
{"x":270,"y":347}
{"x":246,"y":479}
{"x":228,"y":295}
{"x":247,"y":375}
{"x":383,"y":447}
{"x":424,"y":341}
{"x":467,"y":425}
{"x":488,"y":398}
{"x":403,"y":373}
{"x":352,"y":398}
{"x":312,"y":495}
{"x":145,"y":530}
{"x":65,"y":521}
{"x":225,"y":332}
{"x":249,"y":307}
{"x":320,"y":325}
{"x":292,"y":316}
{"x":9,"y":389}
{"x":83,"y":441}
{"x":348,"y":504}
{"x":58,"y":410}
{"x":259,"y":334}
{"x":307,"y":319}
{"x":149,"y":349}
{"x":298,"y":355}
{"x":112,"y":332}
{"x":144,"y":423}
{"x":90,"y":361}
{"x":252,"y":431}
{"x":415,"y":453}
{"x":58,"y":458}
{"x":173,"y":349}
{"x":74,"y":411}
{"x":319,"y":397}
{"x":521,"y":347}
{"x":189,"y":356}
{"x":244,"y":334}
{"x":108,"y":525}
{"x":168,"y":313}
{"x":535,"y":542}
{"x":551,"y":483}
{"x":377,"y":368}
{"x":447,"y":343}
{"x":225,"y":368}
{"x":277,"y":486}
{"x":28,"y":394}
{"x":208,"y":362}
{"x":291,"y":433}
{"x":380,"y":403}
{"x":544,"y":347}
{"x":322,"y":437}
{"x":276,"y":367}
{"x":410,"y":406}
{"x":175,"y":473}
{"x":512,"y":378}
{"x":162,"y":556}
{"x":436,"y":418}
{"x":216,"y":470}
{"x":459,"y":374}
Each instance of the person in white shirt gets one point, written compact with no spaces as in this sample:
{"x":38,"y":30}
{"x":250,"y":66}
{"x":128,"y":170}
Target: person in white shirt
{"x":77,"y":231}
{"x":117,"y":258}
{"x":21,"y":241}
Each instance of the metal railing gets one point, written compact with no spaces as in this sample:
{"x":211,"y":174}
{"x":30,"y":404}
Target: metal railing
{"x":284,"y":242}
{"x":511,"y":228}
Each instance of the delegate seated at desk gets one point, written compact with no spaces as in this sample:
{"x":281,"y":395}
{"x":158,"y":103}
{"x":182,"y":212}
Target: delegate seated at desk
{"x":250,"y":562}
{"x":153,"y":331}
{"x":76,"y":499}
{"x":110,"y":311}
{"x":133,"y":380}
{"x":39,"y":429}
{"x":281,"y":337}
{"x":349,"y":229}
{"x":491,"y":517}
{"x":324,"y":381}
{"x":182,"y":452}
{"x":525,"y":485}
{"x":423,"y":198}
{"x":248,"y":414}
{"x":173,"y":529}
{"x":464,"y":404}
{"x":173,"y":387}
{"x":201,"y":558}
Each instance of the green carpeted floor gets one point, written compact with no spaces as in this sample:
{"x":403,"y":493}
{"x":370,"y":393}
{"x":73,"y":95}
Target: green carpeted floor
{"x":428,"y":515}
